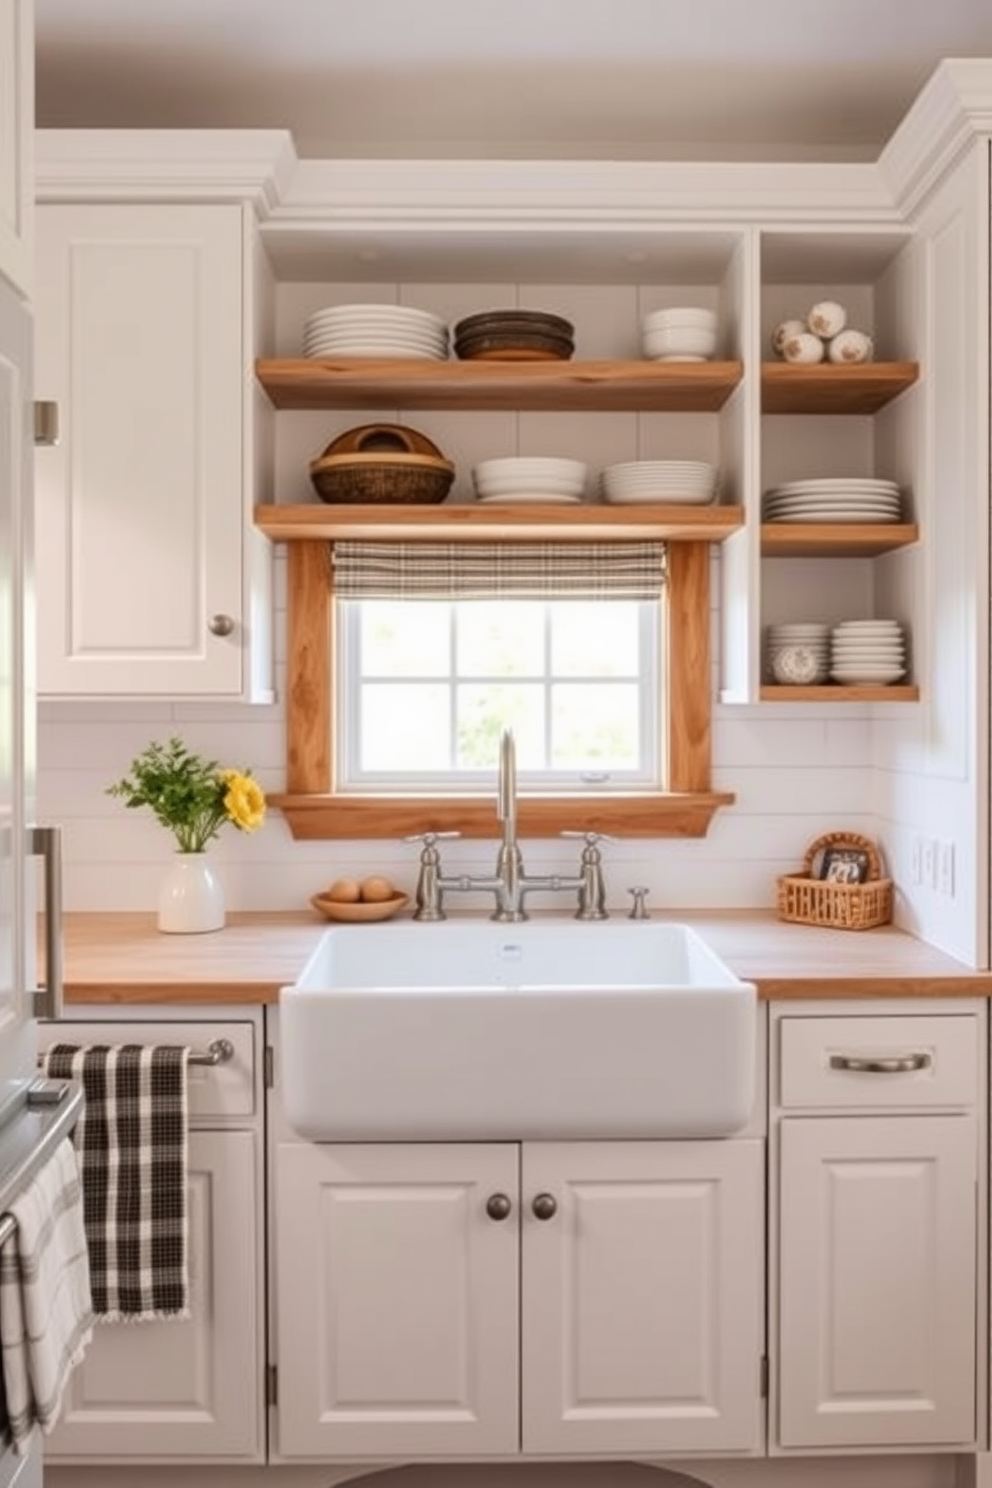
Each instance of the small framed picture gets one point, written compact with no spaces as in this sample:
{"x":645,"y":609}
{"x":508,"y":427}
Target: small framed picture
{"x":843,"y":865}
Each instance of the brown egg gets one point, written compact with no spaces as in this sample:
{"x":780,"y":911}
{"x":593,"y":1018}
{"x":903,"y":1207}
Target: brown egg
{"x":344,"y":891}
{"x":376,"y":888}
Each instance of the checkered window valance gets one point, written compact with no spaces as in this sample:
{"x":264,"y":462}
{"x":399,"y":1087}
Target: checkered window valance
{"x":575,"y":570}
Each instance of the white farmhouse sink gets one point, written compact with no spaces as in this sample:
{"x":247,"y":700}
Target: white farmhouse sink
{"x":478,"y":1030}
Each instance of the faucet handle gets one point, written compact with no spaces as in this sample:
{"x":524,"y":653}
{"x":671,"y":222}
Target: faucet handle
{"x":429,"y":838}
{"x":589,"y":838}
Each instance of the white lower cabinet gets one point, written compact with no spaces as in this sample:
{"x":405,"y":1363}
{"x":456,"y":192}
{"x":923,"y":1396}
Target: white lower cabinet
{"x":187,"y":1390}
{"x":879,"y":1231}
{"x":440,"y":1300}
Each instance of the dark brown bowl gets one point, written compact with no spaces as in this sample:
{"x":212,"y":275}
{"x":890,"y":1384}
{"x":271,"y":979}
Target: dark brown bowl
{"x":500,"y":320}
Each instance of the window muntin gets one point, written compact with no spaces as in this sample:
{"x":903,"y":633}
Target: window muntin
{"x":424,"y":687}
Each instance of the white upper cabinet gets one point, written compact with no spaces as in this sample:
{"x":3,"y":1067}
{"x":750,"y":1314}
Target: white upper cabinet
{"x":16,"y":124}
{"x":145,"y":567}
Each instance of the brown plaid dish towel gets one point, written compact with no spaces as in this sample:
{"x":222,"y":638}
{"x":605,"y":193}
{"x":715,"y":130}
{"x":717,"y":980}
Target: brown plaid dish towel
{"x":132,"y":1145}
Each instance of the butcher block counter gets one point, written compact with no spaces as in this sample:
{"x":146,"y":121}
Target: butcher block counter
{"x":121,"y":958}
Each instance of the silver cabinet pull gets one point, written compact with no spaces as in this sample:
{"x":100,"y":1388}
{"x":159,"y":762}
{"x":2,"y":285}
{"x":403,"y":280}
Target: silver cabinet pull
{"x":898,"y":1064}
{"x":220,"y":625}
{"x":46,"y":843}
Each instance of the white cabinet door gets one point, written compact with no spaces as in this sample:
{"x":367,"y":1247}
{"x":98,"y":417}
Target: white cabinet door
{"x":16,"y":126}
{"x":141,"y":521}
{"x":877,"y":1304}
{"x":396,"y":1300}
{"x":643,"y":1297}
{"x":184,"y":1390}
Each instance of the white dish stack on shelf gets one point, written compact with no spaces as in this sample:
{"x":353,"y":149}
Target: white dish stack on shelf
{"x":867,"y":653}
{"x":854,"y":499}
{"x":518,"y":479}
{"x":375,"y":331}
{"x":682,"y":334}
{"x":798,"y":654}
{"x":661,"y":482}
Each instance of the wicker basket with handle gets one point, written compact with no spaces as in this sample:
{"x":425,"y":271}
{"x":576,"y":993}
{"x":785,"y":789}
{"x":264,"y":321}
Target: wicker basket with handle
{"x":839,"y":906}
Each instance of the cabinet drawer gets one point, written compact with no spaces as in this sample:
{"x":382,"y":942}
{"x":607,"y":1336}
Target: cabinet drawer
{"x":217,"y":1090}
{"x":878,"y":1062}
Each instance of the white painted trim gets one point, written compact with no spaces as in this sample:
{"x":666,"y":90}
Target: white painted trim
{"x":555,"y":193}
{"x":164,"y":164}
{"x":952,"y":108}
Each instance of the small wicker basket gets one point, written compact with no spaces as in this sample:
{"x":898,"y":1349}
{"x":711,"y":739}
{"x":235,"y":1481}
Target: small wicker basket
{"x":807,"y":900}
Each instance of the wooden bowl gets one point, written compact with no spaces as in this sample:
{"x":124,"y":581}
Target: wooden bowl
{"x":361,"y":912}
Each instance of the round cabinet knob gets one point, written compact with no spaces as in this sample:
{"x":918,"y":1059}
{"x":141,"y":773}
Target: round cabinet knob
{"x":544,"y":1206}
{"x":220,"y":625}
{"x":498,"y":1206}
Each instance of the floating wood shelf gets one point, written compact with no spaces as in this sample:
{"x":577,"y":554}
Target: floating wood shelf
{"x":833,"y":692}
{"x":835,"y":540}
{"x":556,"y":387}
{"x":475,"y":523}
{"x":824,"y":388}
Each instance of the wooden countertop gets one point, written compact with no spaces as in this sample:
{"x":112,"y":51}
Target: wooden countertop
{"x":122,"y":958}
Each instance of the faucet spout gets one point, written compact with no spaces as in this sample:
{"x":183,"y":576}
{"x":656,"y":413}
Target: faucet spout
{"x":506,"y":788}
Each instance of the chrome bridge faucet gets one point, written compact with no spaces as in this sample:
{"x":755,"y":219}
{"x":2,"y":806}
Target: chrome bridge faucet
{"x":509,"y":883}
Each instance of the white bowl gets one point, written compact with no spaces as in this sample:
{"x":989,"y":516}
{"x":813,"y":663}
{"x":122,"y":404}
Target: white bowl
{"x":679,"y":315}
{"x":512,"y":485}
{"x":532,"y":466}
{"x":680,"y":341}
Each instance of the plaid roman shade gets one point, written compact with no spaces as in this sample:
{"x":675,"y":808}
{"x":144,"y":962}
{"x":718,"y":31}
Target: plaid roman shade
{"x":540,"y":570}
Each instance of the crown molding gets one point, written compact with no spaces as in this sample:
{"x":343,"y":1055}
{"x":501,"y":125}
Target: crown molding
{"x":951,"y":111}
{"x":146,"y":165}
{"x":511,"y":193}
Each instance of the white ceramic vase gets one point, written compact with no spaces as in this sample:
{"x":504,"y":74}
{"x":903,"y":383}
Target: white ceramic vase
{"x":191,"y":899}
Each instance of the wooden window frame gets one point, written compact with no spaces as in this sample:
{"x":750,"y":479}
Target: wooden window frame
{"x":314,"y":811}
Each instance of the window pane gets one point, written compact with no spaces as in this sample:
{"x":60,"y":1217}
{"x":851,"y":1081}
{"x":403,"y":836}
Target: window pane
{"x":595,"y":639}
{"x":485,"y":709}
{"x":405,"y":638}
{"x":595,"y":727}
{"x":405,"y":727}
{"x":503,"y":638}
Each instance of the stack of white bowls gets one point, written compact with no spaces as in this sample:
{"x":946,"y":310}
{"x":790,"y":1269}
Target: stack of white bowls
{"x":661,"y":482}
{"x":522,"y":478}
{"x":867,"y":653}
{"x":684,"y":334}
{"x":798,"y":653}
{"x":375,"y":331}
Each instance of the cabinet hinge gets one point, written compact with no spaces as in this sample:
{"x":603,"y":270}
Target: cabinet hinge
{"x":46,"y":422}
{"x":763,"y":1377}
{"x":268,"y":1067}
{"x":271,"y":1385}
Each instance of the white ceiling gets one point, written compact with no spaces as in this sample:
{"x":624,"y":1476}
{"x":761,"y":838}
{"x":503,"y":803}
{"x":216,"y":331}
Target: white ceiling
{"x":595,"y":79}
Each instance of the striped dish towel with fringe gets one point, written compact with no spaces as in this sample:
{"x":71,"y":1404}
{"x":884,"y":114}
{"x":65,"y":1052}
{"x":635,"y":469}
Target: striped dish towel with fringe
{"x":46,"y":1317}
{"x":132,"y":1145}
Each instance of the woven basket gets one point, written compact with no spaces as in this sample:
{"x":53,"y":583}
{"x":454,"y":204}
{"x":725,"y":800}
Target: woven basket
{"x":396,"y":480}
{"x":839,"y":906}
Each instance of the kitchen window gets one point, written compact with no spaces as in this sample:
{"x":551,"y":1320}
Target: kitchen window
{"x":667,"y":791}
{"x":440,"y":646}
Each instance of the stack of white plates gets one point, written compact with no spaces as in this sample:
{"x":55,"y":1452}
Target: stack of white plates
{"x":799,"y":652}
{"x":375,"y":331}
{"x":517,"y":479}
{"x":866,"y":653}
{"x":858,"y":499}
{"x":663,"y":482}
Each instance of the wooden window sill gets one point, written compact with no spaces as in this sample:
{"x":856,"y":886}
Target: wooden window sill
{"x":667,"y":814}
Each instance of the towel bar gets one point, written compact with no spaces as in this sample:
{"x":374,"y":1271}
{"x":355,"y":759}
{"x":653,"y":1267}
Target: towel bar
{"x":220,"y":1051}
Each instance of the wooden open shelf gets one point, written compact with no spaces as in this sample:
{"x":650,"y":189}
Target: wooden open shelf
{"x":541,"y":522}
{"x":556,"y":387}
{"x":825,"y":388}
{"x":833,"y":692}
{"x":835,"y":540}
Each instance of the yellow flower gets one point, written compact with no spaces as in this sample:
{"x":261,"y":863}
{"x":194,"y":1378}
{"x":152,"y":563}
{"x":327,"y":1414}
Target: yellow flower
{"x":244,"y":800}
